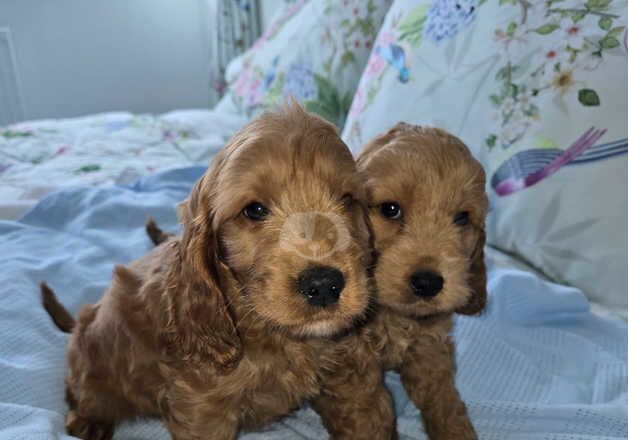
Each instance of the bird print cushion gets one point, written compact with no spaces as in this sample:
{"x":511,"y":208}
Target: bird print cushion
{"x":314,"y":51}
{"x":539,"y":91}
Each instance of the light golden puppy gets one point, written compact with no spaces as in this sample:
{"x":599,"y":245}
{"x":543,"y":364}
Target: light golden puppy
{"x":241,"y":319}
{"x":427,"y":208}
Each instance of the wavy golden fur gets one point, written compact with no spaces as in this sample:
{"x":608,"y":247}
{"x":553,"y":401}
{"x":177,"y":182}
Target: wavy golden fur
{"x":439,"y":187}
{"x":208,"y":331}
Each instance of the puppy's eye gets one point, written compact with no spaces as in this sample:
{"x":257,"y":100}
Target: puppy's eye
{"x":461,"y":218}
{"x":390,"y":210}
{"x":255,"y":211}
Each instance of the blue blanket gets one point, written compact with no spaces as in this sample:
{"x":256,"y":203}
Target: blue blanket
{"x":537,"y":365}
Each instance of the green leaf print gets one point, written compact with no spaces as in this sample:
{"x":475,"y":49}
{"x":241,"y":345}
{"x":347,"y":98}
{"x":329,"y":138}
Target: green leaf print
{"x":605,"y":23}
{"x":329,"y":104}
{"x":347,"y":58}
{"x":546,"y":29}
{"x":275,"y":91}
{"x":616,"y":31}
{"x":411,"y":26}
{"x":609,"y":42}
{"x":13,"y":134}
{"x":588,"y":97}
{"x":578,"y":15}
{"x":366,"y":26}
{"x":597,"y":5}
{"x":88,"y":168}
{"x":491,"y":140}
{"x":510,"y":30}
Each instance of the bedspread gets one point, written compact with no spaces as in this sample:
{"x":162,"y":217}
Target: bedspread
{"x":536,"y":366}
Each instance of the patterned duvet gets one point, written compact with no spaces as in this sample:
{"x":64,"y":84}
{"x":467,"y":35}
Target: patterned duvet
{"x":104,"y":149}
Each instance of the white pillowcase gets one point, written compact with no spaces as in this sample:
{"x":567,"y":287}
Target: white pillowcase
{"x":539,"y":91}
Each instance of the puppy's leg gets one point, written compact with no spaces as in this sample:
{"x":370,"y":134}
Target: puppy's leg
{"x":190,"y":415}
{"x":429,"y":380}
{"x":216,"y":429}
{"x":354,"y":404}
{"x":86,"y":428}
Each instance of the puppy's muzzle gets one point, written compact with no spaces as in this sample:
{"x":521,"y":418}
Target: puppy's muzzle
{"x":321,"y":285}
{"x":426,"y":284}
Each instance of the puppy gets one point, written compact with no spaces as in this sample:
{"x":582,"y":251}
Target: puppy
{"x":427,"y":208}
{"x":245,"y":316}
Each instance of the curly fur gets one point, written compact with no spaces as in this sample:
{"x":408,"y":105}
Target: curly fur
{"x":207,"y":330}
{"x":432,"y":176}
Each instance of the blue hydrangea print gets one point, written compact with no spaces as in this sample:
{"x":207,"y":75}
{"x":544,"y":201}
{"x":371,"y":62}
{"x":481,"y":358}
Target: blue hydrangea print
{"x":446,"y":18}
{"x":300,"y":82}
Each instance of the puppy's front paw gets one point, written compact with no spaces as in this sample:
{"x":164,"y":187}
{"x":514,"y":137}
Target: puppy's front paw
{"x":87,"y":429}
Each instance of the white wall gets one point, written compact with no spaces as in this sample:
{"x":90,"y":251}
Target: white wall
{"x":74,"y":57}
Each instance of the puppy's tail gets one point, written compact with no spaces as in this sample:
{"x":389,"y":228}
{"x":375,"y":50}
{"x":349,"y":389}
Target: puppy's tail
{"x":156,"y":234}
{"x":60,"y":316}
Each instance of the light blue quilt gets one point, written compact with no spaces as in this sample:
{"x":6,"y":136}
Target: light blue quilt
{"x":537,"y":365}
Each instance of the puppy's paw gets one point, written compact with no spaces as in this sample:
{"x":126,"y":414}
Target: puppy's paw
{"x":87,"y":429}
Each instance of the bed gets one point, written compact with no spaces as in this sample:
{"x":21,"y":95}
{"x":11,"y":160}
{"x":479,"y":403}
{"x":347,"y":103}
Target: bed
{"x":537,"y":365}
{"x":548,"y":360}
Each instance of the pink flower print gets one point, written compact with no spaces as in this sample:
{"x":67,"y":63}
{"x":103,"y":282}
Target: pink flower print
{"x":375,"y":65}
{"x":277,"y":24}
{"x":168,"y":135}
{"x":62,"y":150}
{"x":572,"y":32}
{"x":551,"y":55}
{"x":241,"y":83}
{"x":219,"y":86}
{"x":385,"y":38}
{"x":357,"y":105}
{"x":253,"y":85}
{"x":255,"y":92}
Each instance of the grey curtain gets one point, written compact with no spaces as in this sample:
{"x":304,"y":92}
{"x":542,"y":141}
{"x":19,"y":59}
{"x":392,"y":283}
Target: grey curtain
{"x":233,"y":25}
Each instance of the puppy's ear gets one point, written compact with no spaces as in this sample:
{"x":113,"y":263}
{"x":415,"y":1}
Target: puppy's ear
{"x":199,"y":325}
{"x":477,"y":279}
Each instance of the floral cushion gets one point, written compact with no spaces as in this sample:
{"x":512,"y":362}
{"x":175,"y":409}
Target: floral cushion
{"x":315,"y":51}
{"x":538,"y":91}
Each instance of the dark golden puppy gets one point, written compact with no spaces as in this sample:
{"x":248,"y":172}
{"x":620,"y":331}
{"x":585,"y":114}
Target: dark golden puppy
{"x":228,"y":327}
{"x":427,"y":208}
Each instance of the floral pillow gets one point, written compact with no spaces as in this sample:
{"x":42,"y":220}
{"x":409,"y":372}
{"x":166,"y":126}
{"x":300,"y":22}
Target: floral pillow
{"x":539,"y":91}
{"x":315,"y":51}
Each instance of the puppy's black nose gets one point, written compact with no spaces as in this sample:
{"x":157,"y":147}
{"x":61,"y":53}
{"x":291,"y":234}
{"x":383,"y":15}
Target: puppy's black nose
{"x":426,"y":284}
{"x":321,"y":285}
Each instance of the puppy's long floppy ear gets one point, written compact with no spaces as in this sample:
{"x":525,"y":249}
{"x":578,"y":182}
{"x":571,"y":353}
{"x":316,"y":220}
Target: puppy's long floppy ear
{"x":199,"y":324}
{"x":477,"y":279}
